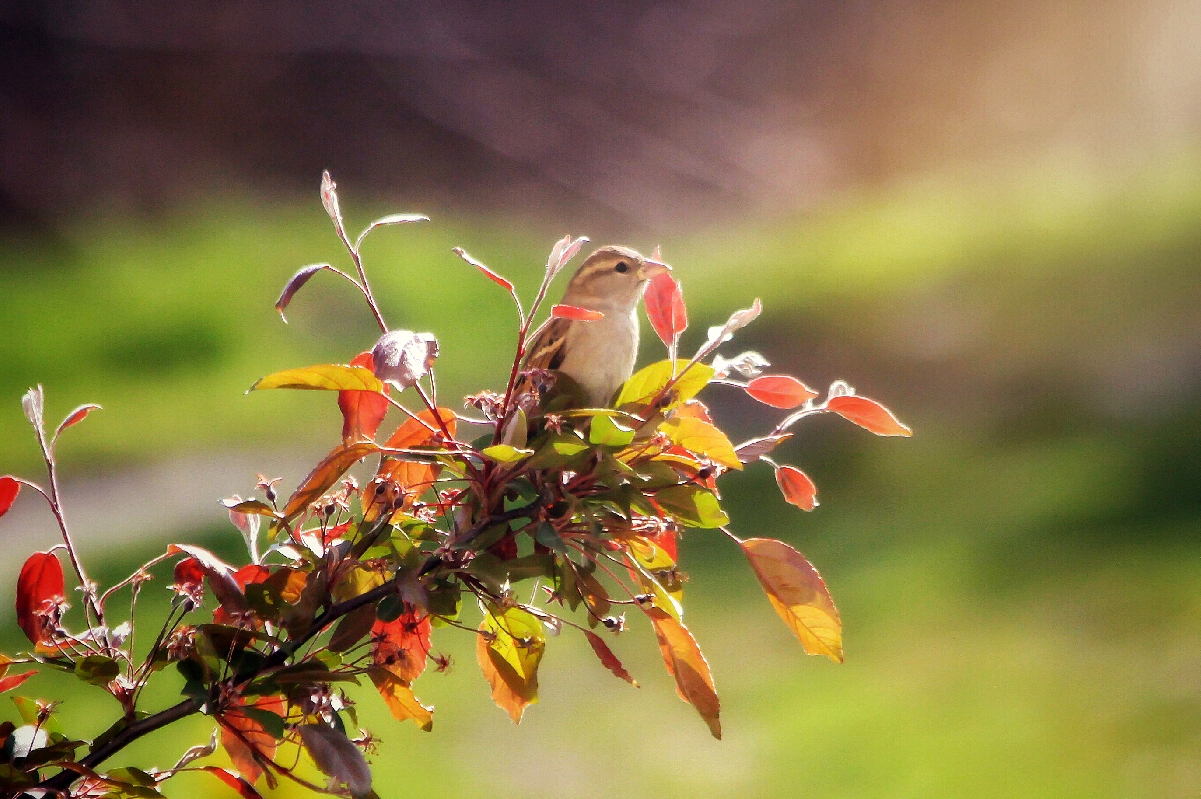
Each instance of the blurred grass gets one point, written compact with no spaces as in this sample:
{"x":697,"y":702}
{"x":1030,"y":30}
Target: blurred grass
{"x":1020,"y":584}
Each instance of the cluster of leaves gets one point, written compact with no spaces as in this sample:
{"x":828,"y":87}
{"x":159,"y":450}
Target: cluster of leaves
{"x":579,"y":509}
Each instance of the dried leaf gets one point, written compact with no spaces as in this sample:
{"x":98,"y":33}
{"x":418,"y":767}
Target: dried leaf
{"x":493,"y":276}
{"x":868,"y":414}
{"x":702,"y":438}
{"x":9,"y":488}
{"x":607,"y":658}
{"x":362,"y":411}
{"x":509,"y":649}
{"x":39,"y":584}
{"x":404,"y":357}
{"x":796,"y":487}
{"x":576,"y":313}
{"x":337,"y":757}
{"x":295,"y":284}
{"x":748,"y":364}
{"x":780,"y":391}
{"x":329,"y":199}
{"x":325,"y":474}
{"x":390,"y":219}
{"x":798,"y":594}
{"x":399,"y":697}
{"x":737,"y":321}
{"x":685,"y":661}
{"x":664,"y":300}
{"x":34,"y":403}
{"x":76,"y":416}
{"x":322,"y":377}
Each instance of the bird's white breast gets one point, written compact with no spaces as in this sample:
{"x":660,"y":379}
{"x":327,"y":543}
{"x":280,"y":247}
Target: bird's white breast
{"x":601,"y":355}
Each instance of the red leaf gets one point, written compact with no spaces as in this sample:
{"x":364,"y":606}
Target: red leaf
{"x":868,"y":414}
{"x":252,"y":738}
{"x":797,"y":488}
{"x":220,"y":575}
{"x":189,"y":580}
{"x":9,"y":488}
{"x":244,"y":788}
{"x":75,"y":417}
{"x":13,"y":680}
{"x":251,"y":573}
{"x":495,"y":278}
{"x":664,"y":301}
{"x":576,"y":313}
{"x":39,"y":584}
{"x":362,"y":411}
{"x":780,"y":391}
{"x":402,"y":646}
{"x":608,"y":659}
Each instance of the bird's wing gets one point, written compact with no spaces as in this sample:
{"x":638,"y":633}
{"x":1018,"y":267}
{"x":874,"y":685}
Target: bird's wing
{"x":547,"y":350}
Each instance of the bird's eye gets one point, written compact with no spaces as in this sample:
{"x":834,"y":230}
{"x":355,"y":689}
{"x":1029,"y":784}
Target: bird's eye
{"x":622,"y":266}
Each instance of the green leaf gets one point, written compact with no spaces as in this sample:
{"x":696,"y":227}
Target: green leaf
{"x":606,"y":432}
{"x":547,"y":536}
{"x":444,"y":599}
{"x":323,"y":377}
{"x":694,"y":506}
{"x":504,"y":453}
{"x":509,"y":651}
{"x":97,"y":669}
{"x":390,"y":608}
{"x":646,"y":384}
{"x":558,"y":450}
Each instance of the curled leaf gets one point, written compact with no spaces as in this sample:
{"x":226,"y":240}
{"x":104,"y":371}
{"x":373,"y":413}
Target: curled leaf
{"x":750,"y":451}
{"x":780,"y":391}
{"x":33,"y":403}
{"x":322,"y":377}
{"x":796,"y":487}
{"x":868,"y":414}
{"x":748,"y":364}
{"x":76,"y":416}
{"x":220,"y":576}
{"x":400,"y":699}
{"x":564,"y":250}
{"x":491,"y":275}
{"x":9,"y":488}
{"x":798,"y":594}
{"x":329,"y":199}
{"x":390,"y":219}
{"x":664,"y":301}
{"x":404,"y":357}
{"x":737,"y":321}
{"x":576,"y":313}
{"x":39,"y":586}
{"x":295,"y":284}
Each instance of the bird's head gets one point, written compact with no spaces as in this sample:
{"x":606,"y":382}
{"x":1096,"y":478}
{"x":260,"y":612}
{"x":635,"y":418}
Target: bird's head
{"x":612,"y":278}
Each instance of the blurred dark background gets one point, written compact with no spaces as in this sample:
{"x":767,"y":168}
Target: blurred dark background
{"x":987,"y":216}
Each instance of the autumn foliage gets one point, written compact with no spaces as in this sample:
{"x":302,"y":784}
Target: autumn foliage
{"x":462,"y":517}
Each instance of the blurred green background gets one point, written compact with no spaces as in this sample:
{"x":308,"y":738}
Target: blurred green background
{"x":990,"y":220}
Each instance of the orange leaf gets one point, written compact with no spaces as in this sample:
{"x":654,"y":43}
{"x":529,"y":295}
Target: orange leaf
{"x":399,"y":697}
{"x":868,"y":414}
{"x":780,"y":391}
{"x":413,"y":433}
{"x":13,"y":680}
{"x":362,"y":411}
{"x":664,"y":300}
{"x":402,"y":645}
{"x":9,"y":488}
{"x":39,"y":585}
{"x":508,"y":649}
{"x":694,"y":409}
{"x":244,"y":788}
{"x":797,"y":488}
{"x":325,"y":474}
{"x":608,"y":659}
{"x":493,"y":276}
{"x":685,"y":661}
{"x":576,"y":313}
{"x":798,"y":594}
{"x":75,"y":417}
{"x":253,"y":738}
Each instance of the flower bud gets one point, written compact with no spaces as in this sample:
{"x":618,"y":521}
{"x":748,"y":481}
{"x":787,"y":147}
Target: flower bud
{"x":403,"y":357}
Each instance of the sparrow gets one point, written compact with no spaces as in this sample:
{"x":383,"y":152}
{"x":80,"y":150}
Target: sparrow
{"x":598,"y":355}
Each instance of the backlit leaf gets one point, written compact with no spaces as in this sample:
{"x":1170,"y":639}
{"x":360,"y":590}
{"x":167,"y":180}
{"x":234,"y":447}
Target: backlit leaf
{"x":75,"y":417}
{"x":295,"y":283}
{"x":664,"y":300}
{"x":240,"y":734}
{"x":576,"y":313}
{"x":607,"y":658}
{"x":322,"y":377}
{"x":509,"y":650}
{"x":605,"y":431}
{"x":797,"y":488}
{"x":646,"y":383}
{"x":220,"y":576}
{"x":325,"y":474}
{"x":362,"y":411}
{"x":868,"y":414}
{"x":244,"y":788}
{"x":693,"y":505}
{"x":97,"y":669}
{"x":505,"y":453}
{"x":403,"y":357}
{"x":780,"y":391}
{"x":702,"y":438}
{"x":798,"y":594}
{"x":390,"y":219}
{"x":402,"y":645}
{"x":399,"y":697}
{"x":737,"y":321}
{"x":9,"y":488}
{"x":13,"y":680}
{"x":685,"y":661}
{"x":493,"y":276}
{"x":413,"y":433}
{"x":39,"y":584}
{"x":750,"y":451}
{"x":337,"y":757}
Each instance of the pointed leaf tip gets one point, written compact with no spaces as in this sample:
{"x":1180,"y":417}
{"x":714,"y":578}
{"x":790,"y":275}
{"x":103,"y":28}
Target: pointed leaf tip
{"x":76,"y":416}
{"x":780,"y":391}
{"x":868,"y":414}
{"x":664,"y":301}
{"x":294,"y":284}
{"x":489,"y":273}
{"x":798,"y":594}
{"x":797,"y":488}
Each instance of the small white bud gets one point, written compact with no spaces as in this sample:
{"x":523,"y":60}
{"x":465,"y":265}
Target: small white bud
{"x":403,"y":357}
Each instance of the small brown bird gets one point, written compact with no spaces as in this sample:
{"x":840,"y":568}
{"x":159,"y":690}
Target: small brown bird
{"x":599,"y":355}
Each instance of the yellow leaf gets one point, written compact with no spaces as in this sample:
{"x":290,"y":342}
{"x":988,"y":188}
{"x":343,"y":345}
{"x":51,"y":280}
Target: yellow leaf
{"x":323,"y":377}
{"x":685,"y":661}
{"x":646,"y":383}
{"x":509,"y":649}
{"x":401,"y":701}
{"x":798,"y":594}
{"x":702,"y":438}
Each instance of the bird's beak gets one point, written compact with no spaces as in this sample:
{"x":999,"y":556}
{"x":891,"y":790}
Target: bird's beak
{"x":651,"y":268}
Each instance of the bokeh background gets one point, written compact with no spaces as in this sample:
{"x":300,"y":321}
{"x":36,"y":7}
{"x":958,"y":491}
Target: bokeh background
{"x":986,"y":215}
